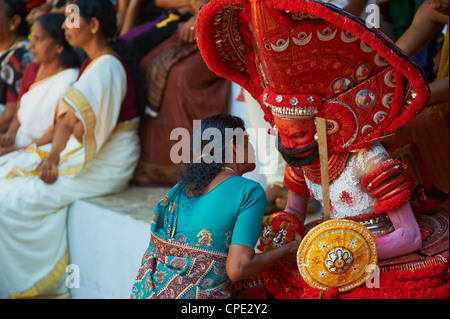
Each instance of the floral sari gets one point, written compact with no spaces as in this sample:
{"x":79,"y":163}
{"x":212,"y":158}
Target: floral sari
{"x":12,"y":66}
{"x":172,"y":269}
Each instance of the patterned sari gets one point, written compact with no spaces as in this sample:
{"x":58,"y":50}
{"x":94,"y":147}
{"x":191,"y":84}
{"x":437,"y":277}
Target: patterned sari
{"x":172,"y":269}
{"x":13,"y":62}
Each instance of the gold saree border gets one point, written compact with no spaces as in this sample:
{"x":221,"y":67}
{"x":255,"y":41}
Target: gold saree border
{"x":127,"y":126}
{"x":46,"y":282}
{"x":66,"y":170}
{"x":78,"y":103}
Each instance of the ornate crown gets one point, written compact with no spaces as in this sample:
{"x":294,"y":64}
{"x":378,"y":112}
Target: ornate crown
{"x":305,"y":58}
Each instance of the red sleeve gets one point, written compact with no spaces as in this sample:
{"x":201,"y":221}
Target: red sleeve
{"x":11,"y":97}
{"x":295,"y":181}
{"x":29,"y":76}
{"x":31,"y":4}
{"x":128,"y":109}
{"x":83,"y":67}
{"x":129,"y":104}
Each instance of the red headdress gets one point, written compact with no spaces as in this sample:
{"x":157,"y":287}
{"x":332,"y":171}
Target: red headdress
{"x":304,"y":58}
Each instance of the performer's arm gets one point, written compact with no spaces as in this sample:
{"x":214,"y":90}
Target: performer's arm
{"x":406,"y":237}
{"x":391,"y":186}
{"x":297,"y":205}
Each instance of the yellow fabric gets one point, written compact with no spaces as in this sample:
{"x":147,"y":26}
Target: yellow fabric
{"x":76,"y":98}
{"x":337,"y":253}
{"x":45,"y":283}
{"x":441,"y":110}
{"x":172,"y":17}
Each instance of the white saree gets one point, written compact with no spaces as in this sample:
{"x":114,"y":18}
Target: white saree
{"x":37,"y":110}
{"x":33,"y":235}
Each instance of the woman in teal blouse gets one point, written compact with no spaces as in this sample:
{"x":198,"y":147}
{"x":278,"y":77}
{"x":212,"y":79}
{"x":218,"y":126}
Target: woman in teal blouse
{"x":204,"y":230}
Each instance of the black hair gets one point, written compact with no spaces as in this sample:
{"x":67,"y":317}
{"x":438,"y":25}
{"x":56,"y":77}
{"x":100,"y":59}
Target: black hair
{"x":51,"y":23}
{"x":103,"y":11}
{"x":199,"y":174}
{"x":18,"y":7}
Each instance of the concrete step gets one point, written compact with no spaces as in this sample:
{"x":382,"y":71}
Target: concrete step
{"x":107,"y":238}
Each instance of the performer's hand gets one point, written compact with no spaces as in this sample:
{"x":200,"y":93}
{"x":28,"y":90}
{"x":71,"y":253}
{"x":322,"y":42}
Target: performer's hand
{"x":390,"y":184}
{"x":48,"y":170}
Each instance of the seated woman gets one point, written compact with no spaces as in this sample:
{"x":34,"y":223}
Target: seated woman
{"x":205,"y":229}
{"x":181,"y":88}
{"x":99,"y":157}
{"x":55,"y":68}
{"x":14,"y":56}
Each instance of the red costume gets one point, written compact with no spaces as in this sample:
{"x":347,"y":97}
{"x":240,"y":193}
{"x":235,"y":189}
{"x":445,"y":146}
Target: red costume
{"x":305,"y":59}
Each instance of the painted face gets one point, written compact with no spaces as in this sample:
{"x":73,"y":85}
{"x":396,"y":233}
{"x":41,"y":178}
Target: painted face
{"x":442,"y":6}
{"x":296,"y":141}
{"x":42,"y":46}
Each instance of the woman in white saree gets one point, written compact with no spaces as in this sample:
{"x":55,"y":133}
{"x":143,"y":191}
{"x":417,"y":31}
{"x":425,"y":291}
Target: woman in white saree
{"x":93,"y":152}
{"x":53,"y":71}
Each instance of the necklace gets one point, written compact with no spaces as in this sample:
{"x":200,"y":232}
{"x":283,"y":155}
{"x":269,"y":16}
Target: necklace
{"x":228,"y":168}
{"x":336,"y":165}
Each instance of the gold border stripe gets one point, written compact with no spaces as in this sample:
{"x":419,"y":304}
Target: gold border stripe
{"x":46,"y":282}
{"x":74,"y":99}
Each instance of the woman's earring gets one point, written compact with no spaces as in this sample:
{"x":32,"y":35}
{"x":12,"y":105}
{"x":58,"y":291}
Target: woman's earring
{"x":93,"y":31}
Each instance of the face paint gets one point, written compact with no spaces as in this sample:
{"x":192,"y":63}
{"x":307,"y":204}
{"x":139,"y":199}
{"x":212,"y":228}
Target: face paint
{"x":296,"y":141}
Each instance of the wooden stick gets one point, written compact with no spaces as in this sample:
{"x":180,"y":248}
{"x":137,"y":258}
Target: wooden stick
{"x":321,"y":126}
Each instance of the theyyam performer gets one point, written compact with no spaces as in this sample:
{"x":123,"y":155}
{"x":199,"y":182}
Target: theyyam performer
{"x":323,"y":77}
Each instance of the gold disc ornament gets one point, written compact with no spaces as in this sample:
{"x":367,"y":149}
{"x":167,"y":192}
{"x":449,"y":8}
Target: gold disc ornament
{"x":338,"y":253}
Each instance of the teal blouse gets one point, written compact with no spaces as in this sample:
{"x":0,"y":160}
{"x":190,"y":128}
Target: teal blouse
{"x":229,"y":214}
{"x":187,"y":253}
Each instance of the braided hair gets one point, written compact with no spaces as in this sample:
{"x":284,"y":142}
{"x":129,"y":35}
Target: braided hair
{"x":199,"y":174}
